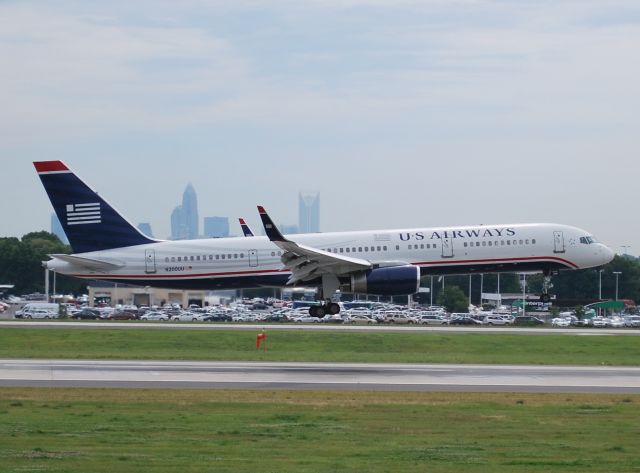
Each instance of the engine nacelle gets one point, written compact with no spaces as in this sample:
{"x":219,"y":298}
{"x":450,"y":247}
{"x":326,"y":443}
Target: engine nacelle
{"x":387,"y":281}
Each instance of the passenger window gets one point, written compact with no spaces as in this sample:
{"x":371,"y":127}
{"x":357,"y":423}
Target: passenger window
{"x":191,"y":258}
{"x":173,"y":259}
{"x":397,"y":247}
{"x":348,"y":250}
{"x":235,"y":256}
{"x":360,"y":249}
{"x":341,"y":250}
{"x":217,"y":256}
{"x":533,"y":242}
{"x":526,"y":242}
{"x":465,"y":244}
{"x":384,"y":248}
{"x":366,"y":249}
{"x":490,"y":243}
{"x":484,"y":243}
{"x":222,"y":256}
{"x":166,"y":260}
{"x":198,"y":257}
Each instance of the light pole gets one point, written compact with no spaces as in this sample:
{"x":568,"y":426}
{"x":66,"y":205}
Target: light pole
{"x":600,"y":284}
{"x":431,"y":291}
{"x":499,"y":295}
{"x":617,"y":273}
{"x":481,"y":287}
{"x":469,"y":289}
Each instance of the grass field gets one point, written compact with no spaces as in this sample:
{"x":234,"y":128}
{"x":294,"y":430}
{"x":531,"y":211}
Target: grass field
{"x":319,"y":346}
{"x":102,"y":430}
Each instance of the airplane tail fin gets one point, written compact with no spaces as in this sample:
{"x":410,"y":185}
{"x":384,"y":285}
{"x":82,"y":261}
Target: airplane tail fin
{"x":246,"y":230}
{"x":89,"y":222}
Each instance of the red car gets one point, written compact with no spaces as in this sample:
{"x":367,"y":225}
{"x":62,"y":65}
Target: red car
{"x":122,"y":316}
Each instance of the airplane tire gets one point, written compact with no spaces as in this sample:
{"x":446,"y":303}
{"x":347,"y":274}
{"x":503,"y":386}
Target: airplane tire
{"x":333,"y":308}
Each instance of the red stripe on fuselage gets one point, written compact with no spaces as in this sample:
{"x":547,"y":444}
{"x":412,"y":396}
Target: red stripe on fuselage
{"x":50,"y":166}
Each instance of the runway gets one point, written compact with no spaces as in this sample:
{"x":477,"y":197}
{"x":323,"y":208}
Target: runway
{"x":318,"y":376}
{"x":55,"y":324}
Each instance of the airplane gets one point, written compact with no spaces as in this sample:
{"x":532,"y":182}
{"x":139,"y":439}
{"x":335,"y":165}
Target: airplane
{"x":380,"y":262}
{"x":246,"y":230}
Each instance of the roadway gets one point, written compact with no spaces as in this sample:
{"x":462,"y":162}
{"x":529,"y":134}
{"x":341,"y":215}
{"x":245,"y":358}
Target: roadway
{"x":273,"y":326}
{"x":318,"y":376}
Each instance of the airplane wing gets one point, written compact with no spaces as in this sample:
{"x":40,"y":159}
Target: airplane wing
{"x":307,"y":263}
{"x":88,"y":263}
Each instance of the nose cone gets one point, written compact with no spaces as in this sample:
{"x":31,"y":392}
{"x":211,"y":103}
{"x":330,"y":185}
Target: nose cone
{"x":607,"y":254}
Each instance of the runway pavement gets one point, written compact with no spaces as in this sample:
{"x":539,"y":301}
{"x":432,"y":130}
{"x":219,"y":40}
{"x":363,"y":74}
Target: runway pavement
{"x":318,"y":376}
{"x":58,"y":324}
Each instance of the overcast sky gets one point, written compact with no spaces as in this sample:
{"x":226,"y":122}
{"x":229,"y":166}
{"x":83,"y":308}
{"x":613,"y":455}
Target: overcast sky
{"x":401,"y":113}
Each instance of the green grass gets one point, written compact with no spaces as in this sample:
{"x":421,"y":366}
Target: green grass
{"x":319,"y":346}
{"x":102,"y":430}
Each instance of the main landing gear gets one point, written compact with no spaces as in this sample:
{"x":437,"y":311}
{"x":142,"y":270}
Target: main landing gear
{"x":330,"y":285}
{"x":546,"y":285}
{"x":327,"y":307}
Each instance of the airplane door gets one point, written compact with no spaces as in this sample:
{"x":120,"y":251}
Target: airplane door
{"x":447,"y":248}
{"x":558,"y":242}
{"x":150,"y":261}
{"x":253,"y":258}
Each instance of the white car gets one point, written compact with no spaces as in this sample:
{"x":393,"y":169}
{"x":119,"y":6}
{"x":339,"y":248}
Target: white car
{"x":154,"y":315}
{"x":188,"y":316}
{"x":494,"y":319}
{"x":360,"y":319}
{"x":561,"y":322}
{"x":431,"y":319}
{"x":616,"y":322}
{"x":304,"y":319}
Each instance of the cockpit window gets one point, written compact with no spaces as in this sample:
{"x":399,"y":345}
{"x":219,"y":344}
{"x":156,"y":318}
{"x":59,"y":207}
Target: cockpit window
{"x":587,"y":240}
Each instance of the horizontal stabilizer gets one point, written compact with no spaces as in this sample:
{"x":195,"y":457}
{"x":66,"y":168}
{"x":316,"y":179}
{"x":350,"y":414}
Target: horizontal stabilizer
{"x":89,"y":263}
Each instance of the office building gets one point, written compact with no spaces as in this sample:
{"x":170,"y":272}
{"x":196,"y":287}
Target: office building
{"x":184,"y":218}
{"x":309,"y":212}
{"x":216,"y":227}
{"x":56,"y":229}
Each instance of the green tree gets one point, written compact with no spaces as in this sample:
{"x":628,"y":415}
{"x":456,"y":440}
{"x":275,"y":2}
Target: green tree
{"x":21,"y":263}
{"x":453,"y":299}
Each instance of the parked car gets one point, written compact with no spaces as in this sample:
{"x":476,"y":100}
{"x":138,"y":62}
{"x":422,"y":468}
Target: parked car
{"x":431,"y":319}
{"x":496,"y":320}
{"x":86,"y":314}
{"x":527,"y":320}
{"x":560,"y":322}
{"x":464,"y":320}
{"x":154,"y":315}
{"x":632,"y":321}
{"x":398,"y":318}
{"x":39,"y":314}
{"x":122,"y":315}
{"x":188,"y":316}
{"x":360,"y":319}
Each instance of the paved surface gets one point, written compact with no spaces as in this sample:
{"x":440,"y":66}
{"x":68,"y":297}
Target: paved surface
{"x":318,"y":376}
{"x":317,"y":327}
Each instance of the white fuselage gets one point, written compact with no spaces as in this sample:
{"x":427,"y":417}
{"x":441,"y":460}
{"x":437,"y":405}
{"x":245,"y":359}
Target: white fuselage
{"x":255,"y":261}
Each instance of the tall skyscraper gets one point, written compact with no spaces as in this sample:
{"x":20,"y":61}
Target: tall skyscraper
{"x":184,"y":218}
{"x":146,"y":229}
{"x":309,"y":212}
{"x":56,"y":229}
{"x":216,"y":227}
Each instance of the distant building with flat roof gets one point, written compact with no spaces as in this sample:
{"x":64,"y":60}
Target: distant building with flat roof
{"x":56,"y":229}
{"x":146,"y":229}
{"x":216,"y":227}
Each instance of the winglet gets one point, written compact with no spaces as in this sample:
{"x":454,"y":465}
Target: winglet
{"x":272,"y":231}
{"x":246,"y":230}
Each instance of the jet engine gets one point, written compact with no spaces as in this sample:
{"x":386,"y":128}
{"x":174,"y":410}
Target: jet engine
{"x":387,"y":281}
